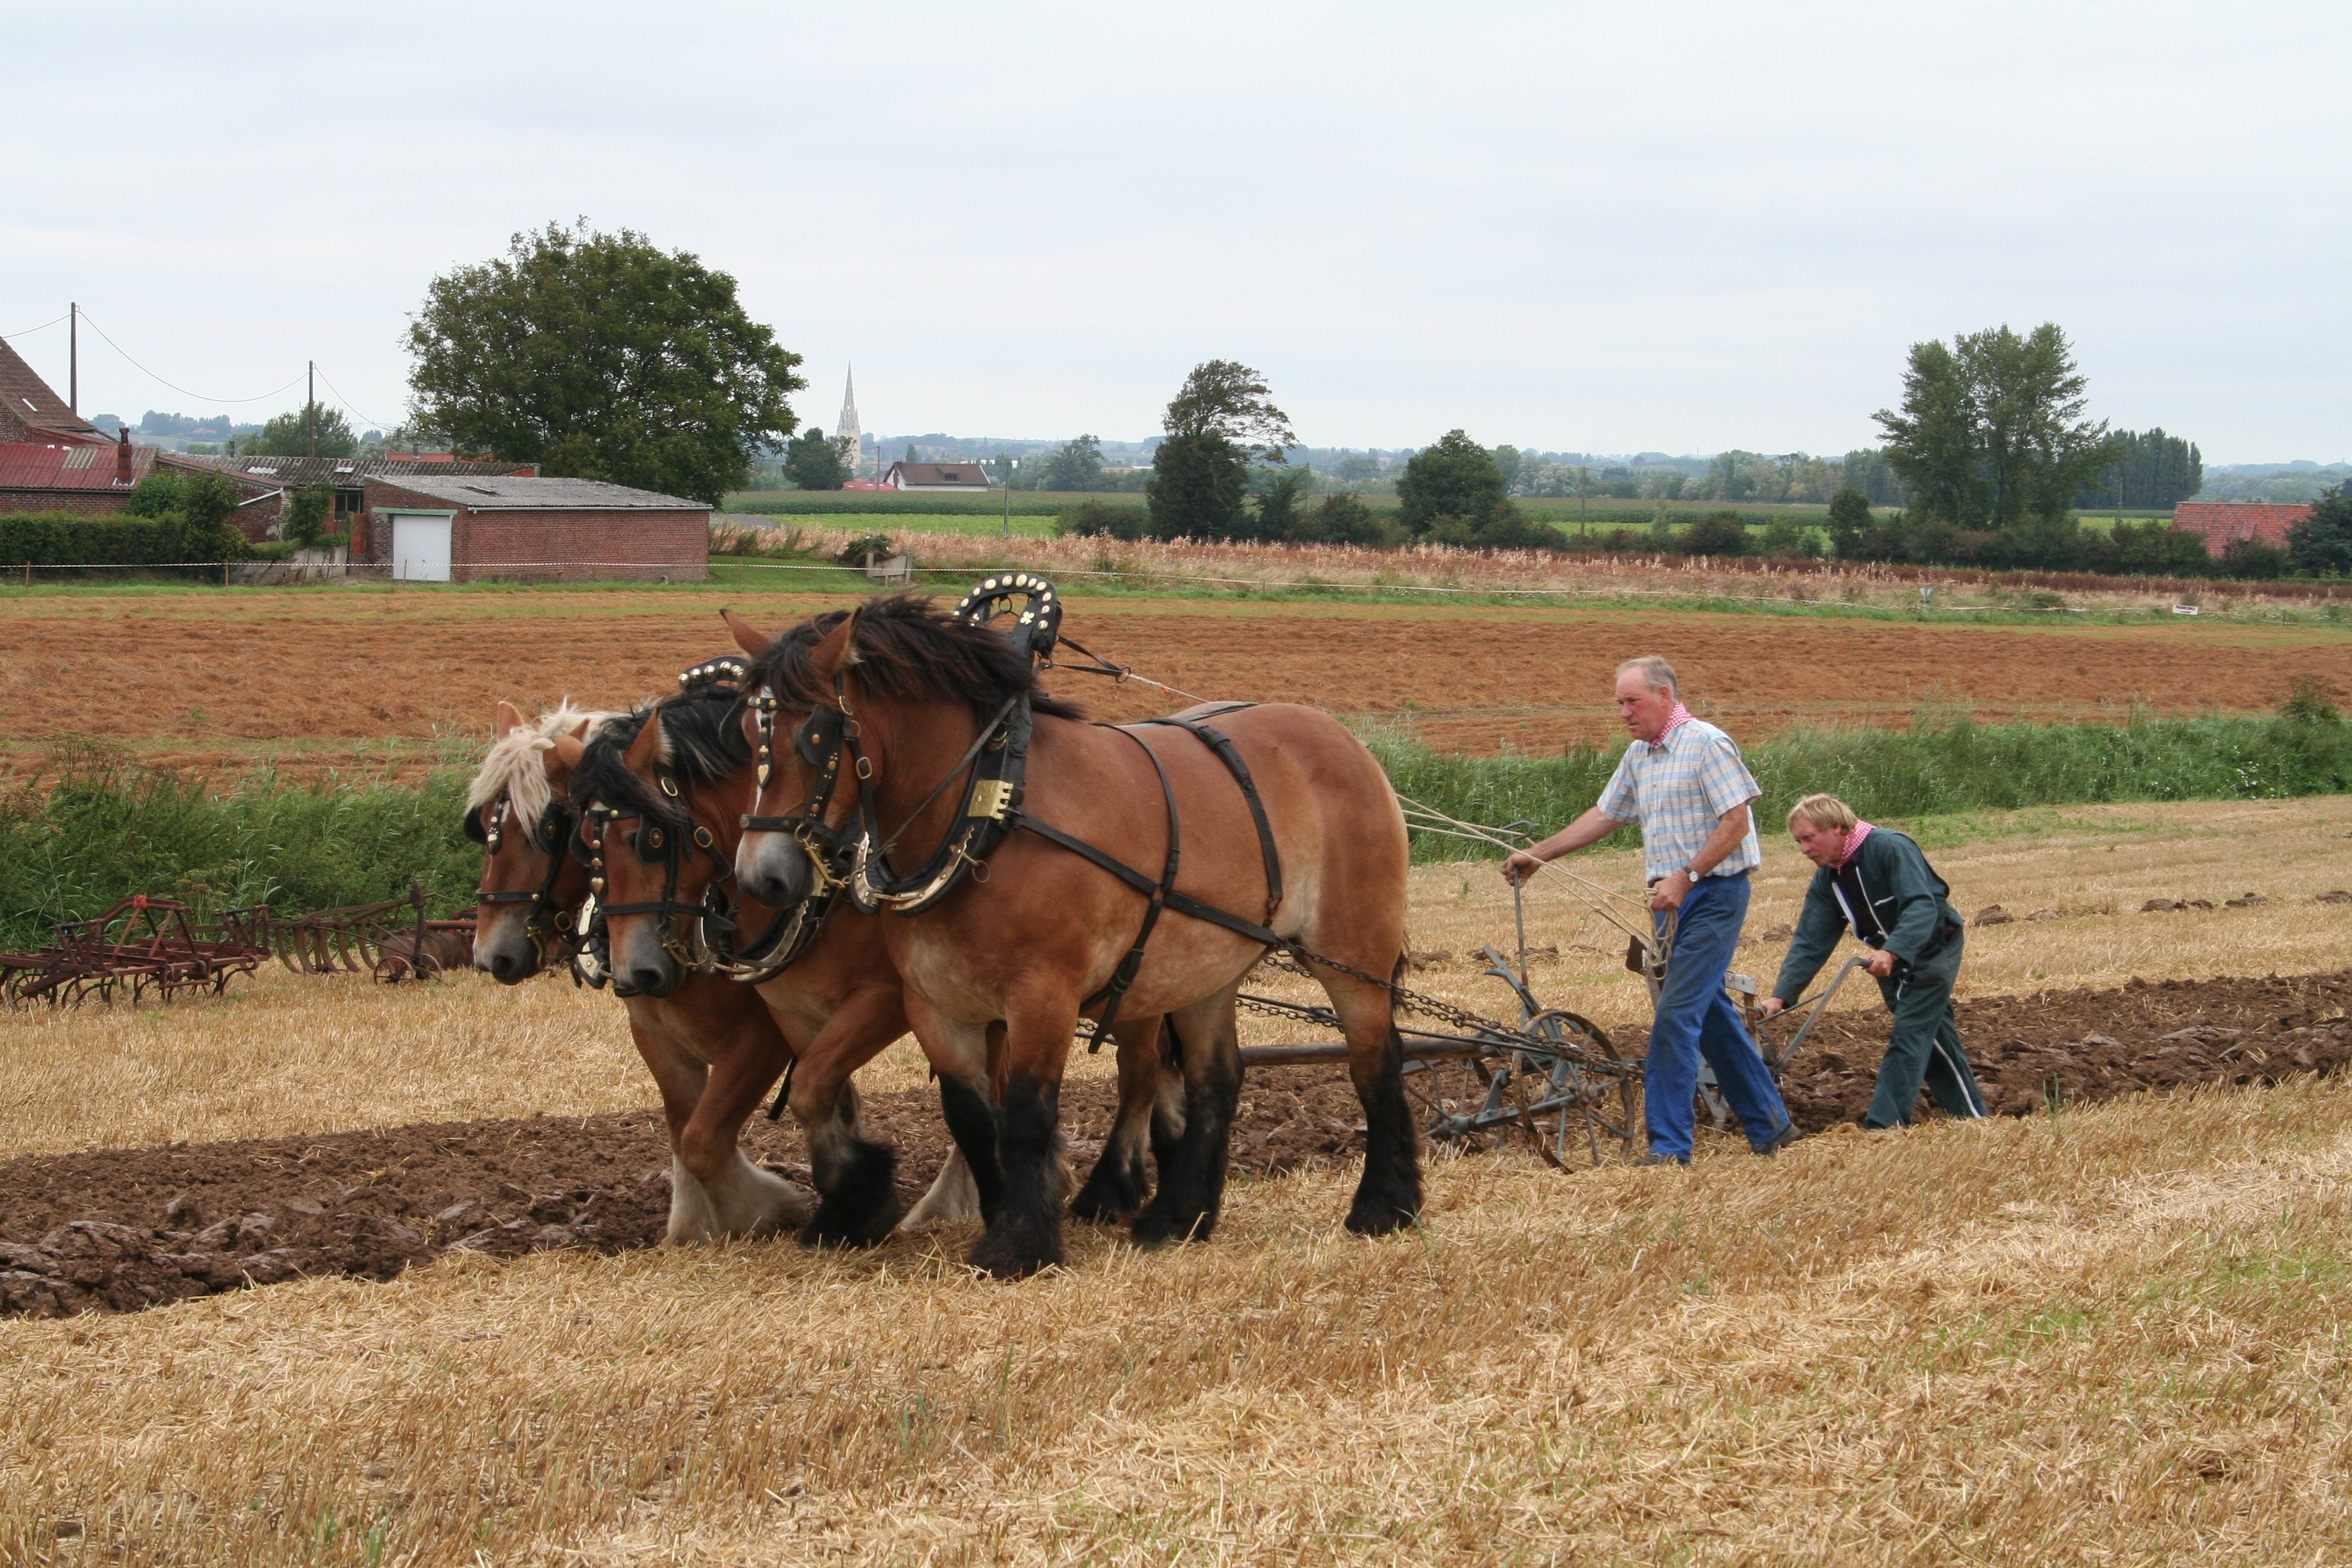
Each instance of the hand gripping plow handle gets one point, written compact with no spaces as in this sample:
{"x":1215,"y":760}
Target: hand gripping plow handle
{"x":1812,"y":1014}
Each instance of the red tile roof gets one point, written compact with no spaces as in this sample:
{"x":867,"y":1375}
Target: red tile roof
{"x":34,"y":466}
{"x":2221,"y":522}
{"x":28,"y":398}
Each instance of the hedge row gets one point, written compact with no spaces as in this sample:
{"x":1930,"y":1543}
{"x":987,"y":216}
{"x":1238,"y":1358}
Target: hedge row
{"x":66,"y":539}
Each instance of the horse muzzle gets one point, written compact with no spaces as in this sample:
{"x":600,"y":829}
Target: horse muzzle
{"x":774,"y":868}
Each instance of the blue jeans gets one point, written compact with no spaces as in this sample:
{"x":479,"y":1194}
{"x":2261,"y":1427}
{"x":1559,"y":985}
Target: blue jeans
{"x":1696,"y":1018}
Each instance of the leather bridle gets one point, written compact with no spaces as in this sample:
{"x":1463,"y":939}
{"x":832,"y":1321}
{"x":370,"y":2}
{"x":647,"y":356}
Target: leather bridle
{"x":550,"y":929}
{"x":687,"y":931}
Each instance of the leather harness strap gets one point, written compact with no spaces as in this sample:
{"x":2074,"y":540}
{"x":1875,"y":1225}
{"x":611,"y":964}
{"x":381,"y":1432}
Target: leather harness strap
{"x":1163,"y":894}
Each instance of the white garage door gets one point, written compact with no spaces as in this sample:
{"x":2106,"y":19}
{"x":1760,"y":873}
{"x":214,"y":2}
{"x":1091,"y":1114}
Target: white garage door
{"x":420,"y":549}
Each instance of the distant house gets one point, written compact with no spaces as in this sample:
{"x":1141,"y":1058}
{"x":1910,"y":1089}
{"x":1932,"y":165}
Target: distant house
{"x":454,"y":528}
{"x":31,"y":413}
{"x":961,"y":477}
{"x":263,"y":481}
{"x":2221,"y":524}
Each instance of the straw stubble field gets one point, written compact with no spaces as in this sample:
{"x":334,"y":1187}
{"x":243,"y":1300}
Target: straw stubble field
{"x":2110,"y":1333}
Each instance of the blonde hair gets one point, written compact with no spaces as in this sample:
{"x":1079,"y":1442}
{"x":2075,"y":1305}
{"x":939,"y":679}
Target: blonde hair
{"x":1655,"y":671}
{"x":516,"y":767}
{"x":1818,"y":811}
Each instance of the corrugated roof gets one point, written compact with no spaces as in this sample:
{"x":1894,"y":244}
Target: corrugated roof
{"x":29,"y":397}
{"x":299,"y":471}
{"x":504,"y":493}
{"x":38,"y":466}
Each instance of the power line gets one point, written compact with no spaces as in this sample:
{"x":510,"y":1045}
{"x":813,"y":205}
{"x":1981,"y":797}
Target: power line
{"x":175,"y":387}
{"x":44,"y":327}
{"x":349,"y":409}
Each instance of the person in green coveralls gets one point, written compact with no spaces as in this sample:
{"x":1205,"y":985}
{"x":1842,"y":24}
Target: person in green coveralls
{"x":1875,"y":883}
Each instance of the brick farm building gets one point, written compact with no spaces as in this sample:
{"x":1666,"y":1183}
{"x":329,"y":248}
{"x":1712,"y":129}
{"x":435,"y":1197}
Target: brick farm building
{"x":2223,"y":523}
{"x":449,"y":528}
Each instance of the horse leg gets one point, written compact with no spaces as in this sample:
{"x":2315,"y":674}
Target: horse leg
{"x":1119,"y":1183}
{"x":1389,"y":1196}
{"x":1193,"y":1173}
{"x":970,"y":1184}
{"x":856,"y":1176}
{"x":1025,"y":1229}
{"x":740,"y":1198}
{"x":681,"y":1077}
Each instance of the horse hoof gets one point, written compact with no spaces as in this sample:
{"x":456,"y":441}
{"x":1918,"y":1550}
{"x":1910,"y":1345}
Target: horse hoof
{"x":1379,"y":1219}
{"x":826,"y":1232}
{"x":1154,"y":1228}
{"x":1105,"y":1203}
{"x":1008,"y":1259}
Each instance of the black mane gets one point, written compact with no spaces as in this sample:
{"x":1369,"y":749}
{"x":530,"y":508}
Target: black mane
{"x":904,"y":648}
{"x":703,"y":727}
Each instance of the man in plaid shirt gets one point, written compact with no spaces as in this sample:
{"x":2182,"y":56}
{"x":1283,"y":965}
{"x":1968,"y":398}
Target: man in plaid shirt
{"x":1682,"y":781}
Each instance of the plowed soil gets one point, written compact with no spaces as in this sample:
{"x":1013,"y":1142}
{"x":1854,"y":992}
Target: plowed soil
{"x":332,"y":677}
{"x":122,"y":1229}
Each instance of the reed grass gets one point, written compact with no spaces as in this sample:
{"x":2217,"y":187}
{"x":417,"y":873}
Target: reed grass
{"x":1943,"y":765}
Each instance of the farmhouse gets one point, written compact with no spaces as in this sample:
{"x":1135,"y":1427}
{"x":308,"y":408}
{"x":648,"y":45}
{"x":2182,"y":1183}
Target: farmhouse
{"x":31,"y":412}
{"x":952,"y":477}
{"x":262,"y":482}
{"x":2220,"y":523}
{"x":454,"y":528}
{"x":58,"y":476}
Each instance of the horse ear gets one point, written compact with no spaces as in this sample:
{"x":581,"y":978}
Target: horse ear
{"x":645,"y":750}
{"x":508,"y":720}
{"x":828,"y":658}
{"x":748,"y":637}
{"x":561,"y":758}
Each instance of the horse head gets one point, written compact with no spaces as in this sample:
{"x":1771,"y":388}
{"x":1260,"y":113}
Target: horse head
{"x":658,"y":795}
{"x":515,"y":809}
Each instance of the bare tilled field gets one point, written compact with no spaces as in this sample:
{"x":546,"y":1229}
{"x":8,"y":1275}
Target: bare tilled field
{"x":333,"y":677}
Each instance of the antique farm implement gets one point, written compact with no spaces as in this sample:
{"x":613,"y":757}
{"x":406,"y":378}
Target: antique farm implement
{"x":142,"y":947}
{"x":391,"y":940}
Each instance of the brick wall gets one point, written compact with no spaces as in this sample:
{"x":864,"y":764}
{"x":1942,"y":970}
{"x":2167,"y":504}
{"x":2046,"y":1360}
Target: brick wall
{"x":2221,"y":522}
{"x":82,"y":503}
{"x":590,"y":545}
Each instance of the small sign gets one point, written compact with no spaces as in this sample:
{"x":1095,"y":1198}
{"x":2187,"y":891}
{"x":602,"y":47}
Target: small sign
{"x":2184,"y":609}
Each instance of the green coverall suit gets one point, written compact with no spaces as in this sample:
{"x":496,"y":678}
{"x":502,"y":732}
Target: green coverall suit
{"x":1890,"y":898}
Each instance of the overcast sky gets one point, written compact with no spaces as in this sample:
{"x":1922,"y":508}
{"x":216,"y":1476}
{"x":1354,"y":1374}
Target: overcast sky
{"x":1679,"y":227}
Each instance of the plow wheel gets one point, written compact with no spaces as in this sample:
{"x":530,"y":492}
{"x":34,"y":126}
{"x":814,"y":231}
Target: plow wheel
{"x":1600,"y":1111}
{"x":1441,"y":1090}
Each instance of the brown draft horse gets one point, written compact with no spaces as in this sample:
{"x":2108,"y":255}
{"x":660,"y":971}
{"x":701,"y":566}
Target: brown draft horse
{"x":701,"y":1041}
{"x":1037,"y":933}
{"x":852,"y":1171}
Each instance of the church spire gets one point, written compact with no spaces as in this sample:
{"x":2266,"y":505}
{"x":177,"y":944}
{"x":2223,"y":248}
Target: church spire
{"x":848,"y":436}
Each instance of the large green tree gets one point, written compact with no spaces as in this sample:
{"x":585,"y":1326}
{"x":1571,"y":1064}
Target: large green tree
{"x":604,"y":357}
{"x":2153,"y":470}
{"x":1221,"y":419}
{"x":312,"y":431}
{"x":2322,"y":543}
{"x":1992,"y":435}
{"x":813,"y":461}
{"x":1076,"y":466}
{"x":1454,"y":477}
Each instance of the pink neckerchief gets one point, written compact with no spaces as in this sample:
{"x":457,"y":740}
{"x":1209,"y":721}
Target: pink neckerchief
{"x":1854,"y":836}
{"x":1674,"y":721}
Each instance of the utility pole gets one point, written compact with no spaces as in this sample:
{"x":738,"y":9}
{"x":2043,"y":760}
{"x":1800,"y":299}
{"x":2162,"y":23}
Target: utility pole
{"x":73,"y":357}
{"x":1012,"y":467}
{"x":310,"y":407}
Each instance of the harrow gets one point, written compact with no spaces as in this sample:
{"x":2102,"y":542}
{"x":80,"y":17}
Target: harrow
{"x":142,"y":947}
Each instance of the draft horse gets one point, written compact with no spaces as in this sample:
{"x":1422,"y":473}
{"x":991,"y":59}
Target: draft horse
{"x":700,"y":1040}
{"x":1027,"y":826}
{"x":1150,"y":1113}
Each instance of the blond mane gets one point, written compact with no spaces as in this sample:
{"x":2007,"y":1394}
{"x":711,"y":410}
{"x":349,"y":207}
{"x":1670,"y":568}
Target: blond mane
{"x":514,"y":766}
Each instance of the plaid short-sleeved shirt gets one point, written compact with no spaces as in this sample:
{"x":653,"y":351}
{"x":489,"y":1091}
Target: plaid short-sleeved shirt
{"x":1677,"y":789}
